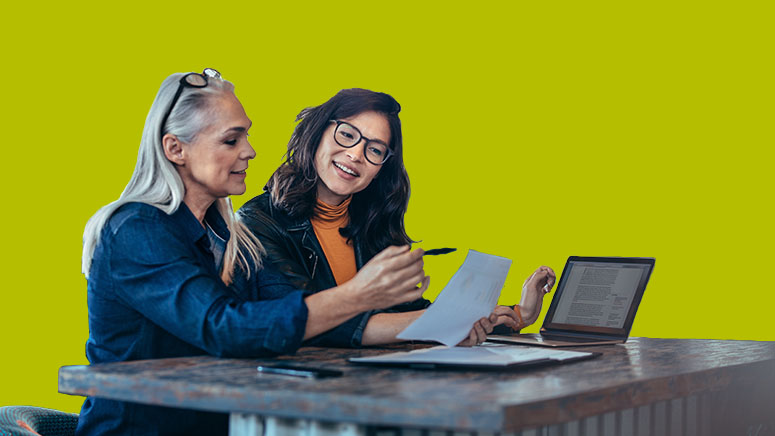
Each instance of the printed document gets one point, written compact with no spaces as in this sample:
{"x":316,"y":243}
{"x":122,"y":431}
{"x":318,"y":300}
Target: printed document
{"x":471,"y":294}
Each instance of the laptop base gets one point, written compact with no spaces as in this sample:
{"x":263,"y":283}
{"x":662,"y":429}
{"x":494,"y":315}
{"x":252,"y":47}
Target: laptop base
{"x":551,"y":340}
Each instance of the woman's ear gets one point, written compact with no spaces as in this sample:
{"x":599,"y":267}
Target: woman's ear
{"x":173,"y":149}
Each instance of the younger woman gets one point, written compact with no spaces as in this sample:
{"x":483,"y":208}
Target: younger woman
{"x":339,"y":199}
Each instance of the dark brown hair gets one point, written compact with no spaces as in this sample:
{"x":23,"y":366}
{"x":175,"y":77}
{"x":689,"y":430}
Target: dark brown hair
{"x":377,"y":212}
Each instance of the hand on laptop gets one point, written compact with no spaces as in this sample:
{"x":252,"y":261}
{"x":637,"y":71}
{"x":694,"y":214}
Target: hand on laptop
{"x":500,"y":315}
{"x":536,"y":286}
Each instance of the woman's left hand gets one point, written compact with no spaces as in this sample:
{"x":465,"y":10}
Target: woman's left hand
{"x":536,"y":286}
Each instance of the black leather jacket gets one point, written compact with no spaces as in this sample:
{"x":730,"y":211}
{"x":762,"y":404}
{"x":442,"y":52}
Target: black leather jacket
{"x":294,"y":250}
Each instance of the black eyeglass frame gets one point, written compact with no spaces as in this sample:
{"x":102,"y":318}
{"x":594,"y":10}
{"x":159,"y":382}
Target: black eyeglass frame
{"x":336,"y":129}
{"x":184,"y":81}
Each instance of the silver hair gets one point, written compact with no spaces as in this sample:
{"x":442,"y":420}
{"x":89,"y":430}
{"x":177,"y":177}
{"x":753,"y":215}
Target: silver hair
{"x":156,"y":182}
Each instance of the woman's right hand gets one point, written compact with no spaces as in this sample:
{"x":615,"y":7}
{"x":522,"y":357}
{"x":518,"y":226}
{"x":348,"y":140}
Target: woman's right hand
{"x":390,"y":278}
{"x":479,"y":332}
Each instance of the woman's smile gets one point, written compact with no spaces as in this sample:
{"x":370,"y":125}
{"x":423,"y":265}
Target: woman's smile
{"x":346,"y":172}
{"x":241,"y":173}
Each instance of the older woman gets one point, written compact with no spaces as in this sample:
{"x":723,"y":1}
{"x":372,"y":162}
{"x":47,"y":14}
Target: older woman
{"x":338,"y":199}
{"x":171,"y":272}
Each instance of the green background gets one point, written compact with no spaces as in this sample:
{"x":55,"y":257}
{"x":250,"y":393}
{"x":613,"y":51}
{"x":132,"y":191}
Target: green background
{"x":533,"y":131}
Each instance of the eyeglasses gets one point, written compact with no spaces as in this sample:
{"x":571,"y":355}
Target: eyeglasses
{"x":348,"y":136}
{"x":193,"y":80}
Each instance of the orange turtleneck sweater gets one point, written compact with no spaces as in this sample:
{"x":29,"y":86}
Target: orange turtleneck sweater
{"x":326,"y":222}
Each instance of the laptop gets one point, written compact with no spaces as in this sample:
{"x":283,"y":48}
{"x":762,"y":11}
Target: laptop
{"x":594,"y":304}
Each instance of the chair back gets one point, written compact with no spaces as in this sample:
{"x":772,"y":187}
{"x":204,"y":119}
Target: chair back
{"x":36,"y":421}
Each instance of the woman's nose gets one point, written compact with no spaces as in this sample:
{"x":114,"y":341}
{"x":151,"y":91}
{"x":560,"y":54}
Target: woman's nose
{"x":248,"y":152}
{"x":355,"y":153}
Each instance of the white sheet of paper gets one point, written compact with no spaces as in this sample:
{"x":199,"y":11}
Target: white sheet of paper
{"x":471,"y":294}
{"x":487,"y":354}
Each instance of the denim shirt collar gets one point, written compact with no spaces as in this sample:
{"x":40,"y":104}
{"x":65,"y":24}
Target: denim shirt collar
{"x":193,"y":228}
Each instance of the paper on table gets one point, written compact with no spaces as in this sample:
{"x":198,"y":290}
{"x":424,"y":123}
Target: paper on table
{"x":487,"y":355}
{"x":471,"y":294}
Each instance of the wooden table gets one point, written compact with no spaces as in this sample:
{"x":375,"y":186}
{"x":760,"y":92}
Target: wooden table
{"x":647,"y":386}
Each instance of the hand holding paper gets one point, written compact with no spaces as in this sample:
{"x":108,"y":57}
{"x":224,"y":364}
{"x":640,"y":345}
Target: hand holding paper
{"x":470,"y":295}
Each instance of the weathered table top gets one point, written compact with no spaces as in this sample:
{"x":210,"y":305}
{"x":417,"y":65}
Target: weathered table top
{"x":639,"y":372}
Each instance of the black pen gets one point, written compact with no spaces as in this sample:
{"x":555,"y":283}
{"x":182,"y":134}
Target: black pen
{"x":437,"y":251}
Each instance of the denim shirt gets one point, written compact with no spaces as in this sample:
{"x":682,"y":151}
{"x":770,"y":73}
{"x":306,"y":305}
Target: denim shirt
{"x":154,"y":292}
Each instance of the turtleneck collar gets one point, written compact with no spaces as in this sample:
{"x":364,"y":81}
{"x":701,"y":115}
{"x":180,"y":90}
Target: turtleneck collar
{"x":332,"y":216}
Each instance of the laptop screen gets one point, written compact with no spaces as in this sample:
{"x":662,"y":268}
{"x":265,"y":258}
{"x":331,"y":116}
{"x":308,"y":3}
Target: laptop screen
{"x":599,"y":295}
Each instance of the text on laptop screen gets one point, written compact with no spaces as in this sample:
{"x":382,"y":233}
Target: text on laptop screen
{"x":599,"y":294}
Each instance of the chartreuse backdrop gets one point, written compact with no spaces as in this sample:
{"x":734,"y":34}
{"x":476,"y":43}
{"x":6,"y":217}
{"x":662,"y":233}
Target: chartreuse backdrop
{"x":532,"y":130}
